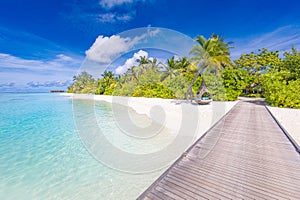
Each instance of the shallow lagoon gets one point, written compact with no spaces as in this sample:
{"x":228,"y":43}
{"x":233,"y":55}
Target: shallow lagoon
{"x":43,"y":157}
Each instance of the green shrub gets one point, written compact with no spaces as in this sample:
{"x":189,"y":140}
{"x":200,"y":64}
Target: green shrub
{"x":214,"y":84}
{"x":178,"y":85}
{"x":279,"y":92}
{"x":105,"y":85}
{"x":189,"y":77}
{"x":83,"y":83}
{"x":153,"y":90}
{"x":124,"y":89}
{"x":234,"y":81}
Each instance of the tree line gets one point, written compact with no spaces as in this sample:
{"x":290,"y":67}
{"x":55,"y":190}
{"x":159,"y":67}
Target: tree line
{"x":273,"y":75}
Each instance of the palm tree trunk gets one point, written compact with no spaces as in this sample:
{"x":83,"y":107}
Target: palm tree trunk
{"x":189,"y":90}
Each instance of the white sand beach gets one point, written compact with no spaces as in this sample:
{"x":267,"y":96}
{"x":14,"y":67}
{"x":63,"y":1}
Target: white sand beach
{"x":289,"y":119}
{"x":208,"y":114}
{"x":183,"y":123}
{"x":174,"y":114}
{"x":171,"y":113}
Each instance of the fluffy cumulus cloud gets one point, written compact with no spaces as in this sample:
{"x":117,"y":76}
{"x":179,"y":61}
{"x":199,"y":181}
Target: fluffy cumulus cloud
{"x":33,"y":84}
{"x":106,"y":49}
{"x":131,"y":62}
{"x":108,"y":4}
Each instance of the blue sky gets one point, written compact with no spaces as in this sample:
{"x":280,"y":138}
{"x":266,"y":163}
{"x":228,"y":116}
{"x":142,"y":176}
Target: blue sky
{"x":44,"y":43}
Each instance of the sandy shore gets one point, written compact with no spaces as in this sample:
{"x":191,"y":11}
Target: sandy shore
{"x":289,"y":119}
{"x":174,"y":115}
{"x":171,"y":113}
{"x":175,"y":110}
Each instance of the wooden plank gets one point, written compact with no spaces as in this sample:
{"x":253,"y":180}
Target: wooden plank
{"x":246,"y":155}
{"x":241,"y":179}
{"x":222,"y":185}
{"x":158,"y":195}
{"x":199,"y":189}
{"x":273,"y":178}
{"x":182,"y":189}
{"x":209,"y":189}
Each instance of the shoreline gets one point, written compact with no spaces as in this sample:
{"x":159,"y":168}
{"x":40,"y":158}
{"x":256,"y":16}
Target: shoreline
{"x":208,"y":115}
{"x":287,"y":117}
{"x":170,"y":113}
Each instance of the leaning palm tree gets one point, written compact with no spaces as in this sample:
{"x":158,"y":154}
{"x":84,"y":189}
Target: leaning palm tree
{"x":210,"y":54}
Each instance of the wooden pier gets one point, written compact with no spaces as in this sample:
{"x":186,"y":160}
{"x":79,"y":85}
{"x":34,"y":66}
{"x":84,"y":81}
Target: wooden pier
{"x":246,"y":155}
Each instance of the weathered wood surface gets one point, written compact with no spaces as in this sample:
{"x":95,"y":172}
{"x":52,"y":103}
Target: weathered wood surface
{"x":245,"y":156}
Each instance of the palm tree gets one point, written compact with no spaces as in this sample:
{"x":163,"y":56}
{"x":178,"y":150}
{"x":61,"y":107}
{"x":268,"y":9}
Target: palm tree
{"x":171,"y":62}
{"x":169,"y":69}
{"x":153,"y":63}
{"x":107,"y":74}
{"x":142,"y":60}
{"x":144,"y":64}
{"x":210,"y":54}
{"x":132,"y":73}
{"x":183,"y":63}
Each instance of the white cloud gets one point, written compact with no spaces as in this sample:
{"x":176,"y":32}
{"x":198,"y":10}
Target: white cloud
{"x":107,"y":17}
{"x":16,"y":73}
{"x":280,"y":39}
{"x":105,"y":49}
{"x":176,"y":57}
{"x":108,"y":4}
{"x":64,"y":57}
{"x":59,"y":83}
{"x":124,"y":15}
{"x":131,"y":62}
{"x":124,"y":18}
{"x":60,"y":63}
{"x":7,"y":85}
{"x":113,"y":17}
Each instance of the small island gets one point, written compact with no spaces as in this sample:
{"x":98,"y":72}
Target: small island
{"x":56,"y":91}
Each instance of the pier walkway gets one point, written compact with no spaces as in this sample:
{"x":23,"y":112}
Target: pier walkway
{"x":246,"y":155}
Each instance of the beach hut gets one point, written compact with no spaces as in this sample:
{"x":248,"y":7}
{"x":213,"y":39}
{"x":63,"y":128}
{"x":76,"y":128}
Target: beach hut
{"x":203,"y":96}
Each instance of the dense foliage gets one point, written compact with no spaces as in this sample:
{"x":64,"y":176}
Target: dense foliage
{"x":282,"y":84}
{"x":271,"y":76}
{"x":259,"y":74}
{"x":256,"y":64}
{"x":83,"y":83}
{"x":234,"y":81}
{"x":210,"y":54}
{"x":153,"y":90}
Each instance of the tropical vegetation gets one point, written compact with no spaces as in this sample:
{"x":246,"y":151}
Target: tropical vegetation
{"x":274,"y":75}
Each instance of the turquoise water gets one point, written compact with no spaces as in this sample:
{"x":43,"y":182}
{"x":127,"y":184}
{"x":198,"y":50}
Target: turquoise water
{"x":42,"y":156}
